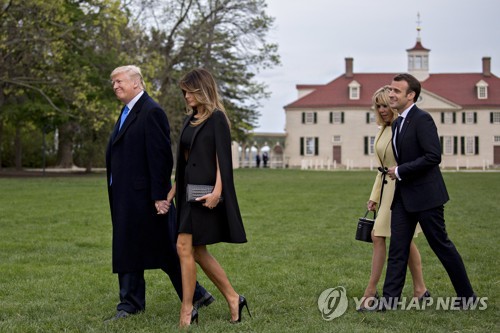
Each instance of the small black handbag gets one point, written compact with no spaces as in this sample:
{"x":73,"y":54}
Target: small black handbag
{"x":365,"y":227}
{"x":195,"y":191}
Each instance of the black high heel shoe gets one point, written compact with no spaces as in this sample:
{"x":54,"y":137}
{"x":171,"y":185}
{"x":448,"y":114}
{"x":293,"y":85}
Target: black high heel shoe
{"x":242,"y":303}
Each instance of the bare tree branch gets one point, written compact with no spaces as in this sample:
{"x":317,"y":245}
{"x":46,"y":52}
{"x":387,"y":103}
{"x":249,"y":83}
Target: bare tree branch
{"x":41,"y":92}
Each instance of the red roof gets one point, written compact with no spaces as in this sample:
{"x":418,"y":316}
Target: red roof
{"x":461,"y":88}
{"x":458,"y":88}
{"x":418,"y":47}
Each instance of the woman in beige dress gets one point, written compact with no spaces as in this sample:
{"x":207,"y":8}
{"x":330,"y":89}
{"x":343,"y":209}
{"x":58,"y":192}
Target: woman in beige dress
{"x":382,"y":227}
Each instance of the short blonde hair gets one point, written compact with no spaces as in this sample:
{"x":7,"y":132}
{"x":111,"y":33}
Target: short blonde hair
{"x":381,"y":97}
{"x":133,"y":72}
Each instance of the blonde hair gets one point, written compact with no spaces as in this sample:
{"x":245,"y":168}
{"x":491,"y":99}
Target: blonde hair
{"x":133,"y":72}
{"x":201,"y":84}
{"x":381,"y":97}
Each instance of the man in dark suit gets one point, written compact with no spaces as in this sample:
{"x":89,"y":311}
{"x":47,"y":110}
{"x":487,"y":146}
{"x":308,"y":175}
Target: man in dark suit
{"x":420,"y":193}
{"x":139,"y":164}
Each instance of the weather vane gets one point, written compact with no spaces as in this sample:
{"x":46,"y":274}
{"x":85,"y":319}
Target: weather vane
{"x":418,"y":24}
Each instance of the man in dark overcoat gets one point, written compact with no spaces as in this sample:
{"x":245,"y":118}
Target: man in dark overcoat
{"x":139,"y":164}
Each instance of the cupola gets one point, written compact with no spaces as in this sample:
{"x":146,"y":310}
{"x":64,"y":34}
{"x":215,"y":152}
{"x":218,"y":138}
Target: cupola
{"x":418,"y":57}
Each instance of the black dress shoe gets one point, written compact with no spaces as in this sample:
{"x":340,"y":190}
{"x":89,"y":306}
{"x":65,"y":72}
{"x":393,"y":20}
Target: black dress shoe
{"x":205,"y":300}
{"x":465,"y":303}
{"x":370,"y":306}
{"x":194,"y":316}
{"x":425,"y":296}
{"x":119,"y":315}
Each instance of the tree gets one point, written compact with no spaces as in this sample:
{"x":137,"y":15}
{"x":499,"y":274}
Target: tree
{"x":56,"y":56}
{"x":63,"y":50}
{"x":227,"y":37}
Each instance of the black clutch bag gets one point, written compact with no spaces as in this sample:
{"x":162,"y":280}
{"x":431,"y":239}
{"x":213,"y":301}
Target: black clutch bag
{"x":196,"y":191}
{"x":365,"y":227}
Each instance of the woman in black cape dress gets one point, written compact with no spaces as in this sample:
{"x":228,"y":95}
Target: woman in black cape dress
{"x":204,"y":158}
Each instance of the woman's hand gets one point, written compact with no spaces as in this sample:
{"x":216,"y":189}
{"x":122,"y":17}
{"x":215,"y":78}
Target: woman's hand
{"x":371,"y":205}
{"x":210,"y":200}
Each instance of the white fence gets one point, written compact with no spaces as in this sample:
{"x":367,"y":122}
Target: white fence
{"x":327,"y":164}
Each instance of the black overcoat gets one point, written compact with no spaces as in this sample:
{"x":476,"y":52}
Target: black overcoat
{"x":224,"y":223}
{"x":139,"y":158}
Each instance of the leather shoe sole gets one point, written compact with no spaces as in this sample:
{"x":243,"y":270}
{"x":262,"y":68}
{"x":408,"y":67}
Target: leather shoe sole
{"x":119,"y":315}
{"x":206,"y":300}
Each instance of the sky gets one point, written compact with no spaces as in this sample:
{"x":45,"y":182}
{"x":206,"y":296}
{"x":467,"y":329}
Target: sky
{"x":315,"y":37}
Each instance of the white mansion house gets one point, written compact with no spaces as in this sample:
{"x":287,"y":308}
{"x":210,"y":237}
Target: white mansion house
{"x":333,"y":125}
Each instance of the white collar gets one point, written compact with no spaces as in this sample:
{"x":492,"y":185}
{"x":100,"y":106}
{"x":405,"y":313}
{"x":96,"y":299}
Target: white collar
{"x":134,"y":100}
{"x":405,"y":112}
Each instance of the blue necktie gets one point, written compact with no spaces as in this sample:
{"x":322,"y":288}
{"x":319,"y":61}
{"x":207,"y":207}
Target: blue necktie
{"x":125,"y":113}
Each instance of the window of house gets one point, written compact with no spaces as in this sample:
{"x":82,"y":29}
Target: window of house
{"x":448,"y":117}
{"x":418,"y":62}
{"x":482,"y":89}
{"x":425,"y":62}
{"x":496,"y":138}
{"x":354,"y":93}
{"x":482,"y":93}
{"x":371,"y":145}
{"x":469,"y":117}
{"x":410,"y":62}
{"x":336,"y":117}
{"x":310,"y":146}
{"x":370,"y":117}
{"x":309,"y":117}
{"x":470,"y":145}
{"x":495,"y":117}
{"x":354,"y":90}
{"x":448,"y":145}
{"x":336,"y":139}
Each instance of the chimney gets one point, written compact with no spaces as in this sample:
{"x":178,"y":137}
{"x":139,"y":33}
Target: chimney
{"x":348,"y":67}
{"x":486,"y":66}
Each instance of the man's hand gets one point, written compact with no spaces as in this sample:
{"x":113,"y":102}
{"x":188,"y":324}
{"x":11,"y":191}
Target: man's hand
{"x":392,"y":172}
{"x":162,"y":206}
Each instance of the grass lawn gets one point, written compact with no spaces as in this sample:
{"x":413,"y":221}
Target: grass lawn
{"x":55,"y":257}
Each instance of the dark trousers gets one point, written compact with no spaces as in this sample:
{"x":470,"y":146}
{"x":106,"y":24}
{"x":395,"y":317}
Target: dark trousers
{"x":133,"y":290}
{"x":403,"y":225}
{"x":133,"y":285}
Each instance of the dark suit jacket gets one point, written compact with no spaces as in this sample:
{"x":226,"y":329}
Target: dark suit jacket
{"x":422,"y":186}
{"x":139,"y":157}
{"x":224,"y":223}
